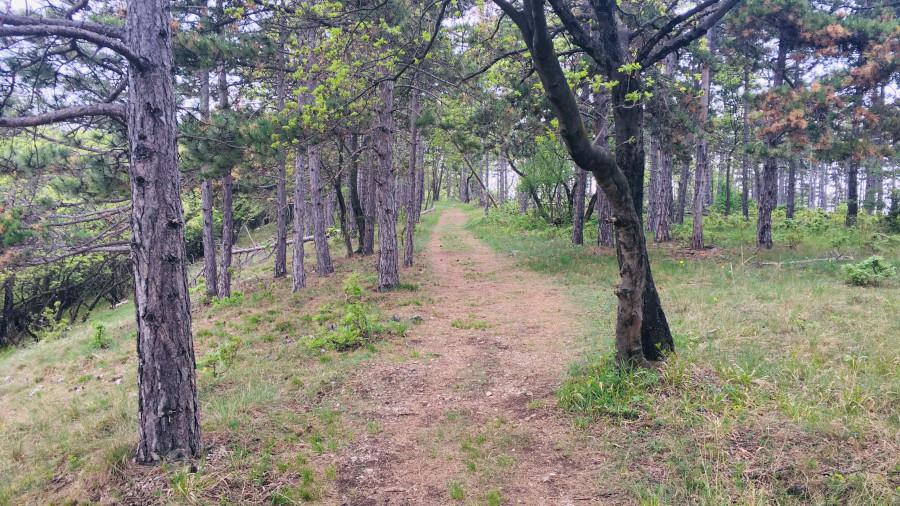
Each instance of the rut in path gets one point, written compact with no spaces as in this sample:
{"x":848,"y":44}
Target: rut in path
{"x":476,"y":413}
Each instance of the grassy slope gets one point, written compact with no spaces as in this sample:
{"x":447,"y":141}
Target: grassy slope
{"x":271,"y":407}
{"x":785,"y":388}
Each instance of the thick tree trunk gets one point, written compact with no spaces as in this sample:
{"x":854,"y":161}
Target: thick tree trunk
{"x":388,"y":271}
{"x":227,"y":234}
{"x":767,"y":199}
{"x":605,"y":232}
{"x":768,"y":196}
{"x":323,"y":255}
{"x":578,"y":210}
{"x":298,"y":275}
{"x":169,"y":412}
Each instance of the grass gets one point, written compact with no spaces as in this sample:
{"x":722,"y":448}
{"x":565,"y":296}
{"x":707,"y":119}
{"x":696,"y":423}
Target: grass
{"x":273,"y":408}
{"x":784,"y":388}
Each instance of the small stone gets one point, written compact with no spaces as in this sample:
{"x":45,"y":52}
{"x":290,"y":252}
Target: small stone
{"x":489,"y":393}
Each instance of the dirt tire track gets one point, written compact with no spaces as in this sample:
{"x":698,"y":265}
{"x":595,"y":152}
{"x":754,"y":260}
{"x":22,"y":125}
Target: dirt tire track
{"x":498,"y":381}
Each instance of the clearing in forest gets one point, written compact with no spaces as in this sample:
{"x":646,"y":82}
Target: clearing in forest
{"x":475,"y":418}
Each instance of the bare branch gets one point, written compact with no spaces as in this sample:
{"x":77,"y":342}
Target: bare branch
{"x":98,"y":28}
{"x":47,"y":30}
{"x":115,"y":111}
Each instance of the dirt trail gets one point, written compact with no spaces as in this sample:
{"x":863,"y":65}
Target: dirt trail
{"x":473,"y":413}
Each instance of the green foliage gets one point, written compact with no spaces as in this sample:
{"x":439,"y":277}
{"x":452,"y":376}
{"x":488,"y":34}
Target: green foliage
{"x":222,"y":357}
{"x":233,"y":300}
{"x":12,"y":230}
{"x":601,"y":387}
{"x":352,"y":325}
{"x":455,"y":491}
{"x":870,"y":272}
{"x":47,"y":327}
{"x":99,"y":339}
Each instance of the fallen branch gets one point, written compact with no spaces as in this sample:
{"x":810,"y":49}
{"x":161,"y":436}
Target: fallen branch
{"x":254,"y":249}
{"x":835,"y":258}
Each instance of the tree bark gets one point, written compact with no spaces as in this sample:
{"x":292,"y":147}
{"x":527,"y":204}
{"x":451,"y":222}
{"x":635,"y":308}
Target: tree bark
{"x":682,"y":191}
{"x":324,"y":266}
{"x":298,"y":275}
{"x":169,"y":413}
{"x":344,"y":215}
{"x":281,"y":205}
{"x":769,"y":185}
{"x":852,"y":192}
{"x":368,"y":245}
{"x":412,"y":204}
{"x":745,"y":149}
{"x":227,"y":234}
{"x":790,"y":198}
{"x":703,"y":176}
{"x":578,"y":208}
{"x":388,"y":271}
{"x":354,"y":185}
{"x":206,"y":203}
{"x":664,"y":197}
{"x":7,"y":316}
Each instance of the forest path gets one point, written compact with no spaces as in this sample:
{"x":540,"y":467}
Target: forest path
{"x":472,"y":416}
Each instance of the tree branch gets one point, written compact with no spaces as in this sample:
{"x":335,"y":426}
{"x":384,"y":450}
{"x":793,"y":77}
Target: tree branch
{"x":98,"y":28}
{"x":47,"y":30}
{"x":115,"y":111}
{"x":661,"y":51}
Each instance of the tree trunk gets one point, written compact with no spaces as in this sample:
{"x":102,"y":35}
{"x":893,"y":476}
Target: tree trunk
{"x":227,"y":234}
{"x":682,"y":191}
{"x":342,"y":209}
{"x":745,"y":155}
{"x":298,"y":275}
{"x":206,"y":203}
{"x":767,"y":197}
{"x":703,"y":175}
{"x":369,"y":209}
{"x":769,"y":185}
{"x":412,"y":202}
{"x":281,"y":206}
{"x":728,"y":185}
{"x":523,"y":201}
{"x":852,"y":192}
{"x":7,"y":316}
{"x":791,"y":188}
{"x":388,"y":271}
{"x":578,"y":211}
{"x":653,"y":193}
{"x":323,"y":255}
{"x":664,"y":197}
{"x":169,"y":413}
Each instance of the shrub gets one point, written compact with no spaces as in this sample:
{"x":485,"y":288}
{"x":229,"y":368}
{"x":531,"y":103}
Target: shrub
{"x":99,"y":340}
{"x":349,"y":326}
{"x":869,"y":272}
{"x":222,"y":357}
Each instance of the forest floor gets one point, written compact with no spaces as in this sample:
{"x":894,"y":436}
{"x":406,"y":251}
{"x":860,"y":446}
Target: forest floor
{"x":488,"y":382}
{"x":477,"y":418}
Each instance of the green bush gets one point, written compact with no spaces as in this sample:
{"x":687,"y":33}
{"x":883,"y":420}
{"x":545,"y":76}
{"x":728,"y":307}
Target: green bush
{"x":99,"y":340}
{"x":869,"y":272}
{"x":349,"y":326}
{"x":222,"y":357}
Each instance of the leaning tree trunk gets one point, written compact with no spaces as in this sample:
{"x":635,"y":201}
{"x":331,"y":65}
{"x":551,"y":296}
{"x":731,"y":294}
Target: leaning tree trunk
{"x":578,"y":208}
{"x":169,"y":412}
{"x":206,"y":204}
{"x":656,"y":337}
{"x":388,"y":271}
{"x":323,"y":256}
{"x":298,"y":275}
